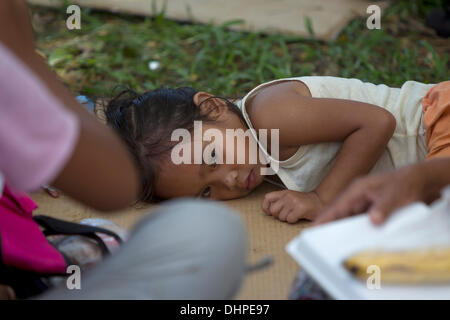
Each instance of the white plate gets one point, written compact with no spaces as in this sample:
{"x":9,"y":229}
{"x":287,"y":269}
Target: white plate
{"x":321,"y":251}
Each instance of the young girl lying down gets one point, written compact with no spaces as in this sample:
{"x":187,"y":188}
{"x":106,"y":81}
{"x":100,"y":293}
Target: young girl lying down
{"x":331,"y":130}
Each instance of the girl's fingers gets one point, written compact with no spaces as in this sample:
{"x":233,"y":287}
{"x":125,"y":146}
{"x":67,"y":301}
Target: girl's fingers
{"x":284,"y":214}
{"x":272,"y":196}
{"x":269,"y":198}
{"x":275,"y":208}
{"x":265,"y":206}
{"x":292,"y":217}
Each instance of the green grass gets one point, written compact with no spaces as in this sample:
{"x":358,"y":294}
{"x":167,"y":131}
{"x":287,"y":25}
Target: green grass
{"x":113,"y":50}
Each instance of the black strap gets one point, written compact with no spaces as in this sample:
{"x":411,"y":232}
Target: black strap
{"x":53,"y":226}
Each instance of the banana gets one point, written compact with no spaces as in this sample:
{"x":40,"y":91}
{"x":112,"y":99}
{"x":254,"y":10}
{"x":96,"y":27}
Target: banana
{"x":424,"y":266}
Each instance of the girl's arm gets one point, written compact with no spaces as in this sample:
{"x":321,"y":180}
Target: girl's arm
{"x":364,"y":129}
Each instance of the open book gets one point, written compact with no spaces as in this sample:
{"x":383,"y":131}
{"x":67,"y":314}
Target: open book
{"x":321,"y":251}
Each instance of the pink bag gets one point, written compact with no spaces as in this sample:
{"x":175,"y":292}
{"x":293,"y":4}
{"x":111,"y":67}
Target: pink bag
{"x":26,"y":256}
{"x":23,"y":245}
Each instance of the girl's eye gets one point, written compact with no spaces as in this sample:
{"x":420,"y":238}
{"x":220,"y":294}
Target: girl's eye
{"x":206,"y":193}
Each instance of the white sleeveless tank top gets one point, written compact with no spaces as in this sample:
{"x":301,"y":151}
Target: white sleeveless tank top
{"x":311,"y":163}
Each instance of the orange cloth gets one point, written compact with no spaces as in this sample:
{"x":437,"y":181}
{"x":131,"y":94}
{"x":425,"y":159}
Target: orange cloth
{"x":436,"y":108}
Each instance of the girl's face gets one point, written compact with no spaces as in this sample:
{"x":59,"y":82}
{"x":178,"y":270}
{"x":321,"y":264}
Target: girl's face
{"x":212,"y":179}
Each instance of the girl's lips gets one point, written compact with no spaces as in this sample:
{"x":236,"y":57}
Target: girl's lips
{"x":250,"y":181}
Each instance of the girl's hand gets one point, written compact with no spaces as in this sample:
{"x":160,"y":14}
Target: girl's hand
{"x":291,"y":206}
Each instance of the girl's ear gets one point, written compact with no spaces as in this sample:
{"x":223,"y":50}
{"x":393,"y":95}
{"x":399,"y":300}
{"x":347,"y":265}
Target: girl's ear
{"x":208,"y":104}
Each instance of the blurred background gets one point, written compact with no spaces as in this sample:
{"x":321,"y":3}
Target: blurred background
{"x":144,"y":53}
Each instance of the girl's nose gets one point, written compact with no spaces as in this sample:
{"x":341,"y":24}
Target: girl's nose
{"x":231,"y":179}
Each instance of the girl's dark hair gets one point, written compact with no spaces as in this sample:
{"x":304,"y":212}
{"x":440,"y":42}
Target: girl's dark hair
{"x":146,"y":122}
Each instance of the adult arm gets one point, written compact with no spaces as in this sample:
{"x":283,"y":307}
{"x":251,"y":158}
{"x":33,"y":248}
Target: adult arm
{"x":99,"y":172}
{"x":382,"y":194}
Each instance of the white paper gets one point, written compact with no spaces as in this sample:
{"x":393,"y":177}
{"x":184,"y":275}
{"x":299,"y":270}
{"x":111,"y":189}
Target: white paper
{"x":321,"y":250}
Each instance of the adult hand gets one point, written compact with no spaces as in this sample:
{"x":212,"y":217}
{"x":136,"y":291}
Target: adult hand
{"x":382,"y":194}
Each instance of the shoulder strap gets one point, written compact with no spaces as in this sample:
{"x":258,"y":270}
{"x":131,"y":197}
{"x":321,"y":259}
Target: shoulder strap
{"x":53,"y":226}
